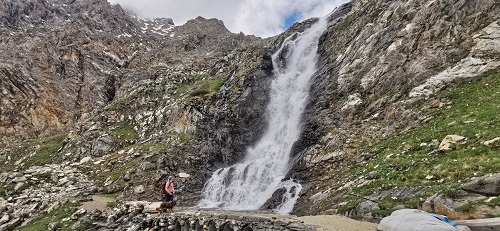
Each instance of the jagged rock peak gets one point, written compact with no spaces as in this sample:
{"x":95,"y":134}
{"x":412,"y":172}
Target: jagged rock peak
{"x":15,"y":14}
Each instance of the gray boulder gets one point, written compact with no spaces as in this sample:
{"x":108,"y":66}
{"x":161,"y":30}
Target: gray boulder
{"x":486,"y":185}
{"x":414,"y":220}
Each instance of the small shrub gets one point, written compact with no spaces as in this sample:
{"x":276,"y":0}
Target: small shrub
{"x":111,"y":204}
{"x":124,"y":134}
{"x":467,"y":208}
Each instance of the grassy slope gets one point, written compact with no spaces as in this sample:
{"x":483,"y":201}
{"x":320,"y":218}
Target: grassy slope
{"x":59,"y":218}
{"x":36,"y":152}
{"x":404,"y":161}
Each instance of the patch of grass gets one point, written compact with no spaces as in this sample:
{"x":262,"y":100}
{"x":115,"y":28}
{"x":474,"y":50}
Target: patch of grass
{"x":152,"y":148}
{"x":383,"y":213}
{"x":183,"y":136}
{"x":57,"y":215}
{"x":389,"y":203}
{"x":493,"y":202}
{"x":182,"y":89}
{"x":161,"y":145}
{"x":123,"y":134}
{"x":401,"y":161}
{"x":111,"y":204}
{"x":121,"y":103}
{"x":37,"y":152}
{"x":467,"y":208}
{"x":204,"y":88}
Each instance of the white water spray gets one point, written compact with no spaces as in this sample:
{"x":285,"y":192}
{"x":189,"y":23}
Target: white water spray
{"x":249,"y":184}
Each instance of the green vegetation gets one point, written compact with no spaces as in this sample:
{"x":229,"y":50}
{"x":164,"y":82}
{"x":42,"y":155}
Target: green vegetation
{"x":201,"y":89}
{"x":37,"y":152}
{"x":152,"y":148}
{"x":56,"y":216}
{"x":46,"y":152}
{"x":111,"y":204}
{"x":405,"y":161}
{"x":123,"y":134}
{"x":183,"y":136}
{"x":471,"y":206}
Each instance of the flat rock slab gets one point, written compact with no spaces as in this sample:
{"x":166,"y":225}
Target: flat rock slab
{"x":490,"y":224}
{"x":151,"y":207}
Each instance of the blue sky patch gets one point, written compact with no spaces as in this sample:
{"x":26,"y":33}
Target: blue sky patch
{"x":291,"y":19}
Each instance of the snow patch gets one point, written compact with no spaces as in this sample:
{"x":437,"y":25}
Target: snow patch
{"x":124,"y":35}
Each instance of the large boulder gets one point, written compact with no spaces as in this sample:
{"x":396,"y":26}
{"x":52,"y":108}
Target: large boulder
{"x":486,"y":185}
{"x":413,"y":220}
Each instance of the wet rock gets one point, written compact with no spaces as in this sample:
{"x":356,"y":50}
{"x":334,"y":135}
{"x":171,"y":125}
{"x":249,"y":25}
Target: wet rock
{"x":275,"y":199}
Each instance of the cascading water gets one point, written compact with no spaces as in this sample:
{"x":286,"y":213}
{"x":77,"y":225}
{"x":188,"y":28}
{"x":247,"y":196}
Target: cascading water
{"x":249,"y":184}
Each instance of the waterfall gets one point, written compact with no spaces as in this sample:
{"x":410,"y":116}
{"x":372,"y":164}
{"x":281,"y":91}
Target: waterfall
{"x":249,"y":184}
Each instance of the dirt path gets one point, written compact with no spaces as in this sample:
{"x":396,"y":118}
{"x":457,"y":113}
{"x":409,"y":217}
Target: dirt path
{"x":338,"y":223}
{"x":98,"y":202}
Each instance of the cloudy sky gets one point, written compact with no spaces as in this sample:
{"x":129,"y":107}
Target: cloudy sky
{"x":258,"y":17}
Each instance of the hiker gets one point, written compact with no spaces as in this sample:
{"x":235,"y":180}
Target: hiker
{"x":168,"y":189}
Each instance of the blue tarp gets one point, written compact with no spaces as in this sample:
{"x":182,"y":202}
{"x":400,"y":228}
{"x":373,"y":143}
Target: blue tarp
{"x":444,"y":219}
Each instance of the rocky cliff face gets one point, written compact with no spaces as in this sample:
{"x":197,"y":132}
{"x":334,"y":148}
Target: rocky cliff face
{"x":92,"y":90}
{"x":60,"y":63}
{"x":378,"y":67}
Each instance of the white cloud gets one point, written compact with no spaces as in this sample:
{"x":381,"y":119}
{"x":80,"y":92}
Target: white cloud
{"x":258,"y":17}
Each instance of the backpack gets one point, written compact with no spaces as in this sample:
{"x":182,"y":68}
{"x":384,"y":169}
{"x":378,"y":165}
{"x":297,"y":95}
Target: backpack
{"x":164,"y":186}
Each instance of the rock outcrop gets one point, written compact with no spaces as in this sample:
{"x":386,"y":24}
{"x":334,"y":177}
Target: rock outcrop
{"x":376,"y":66}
